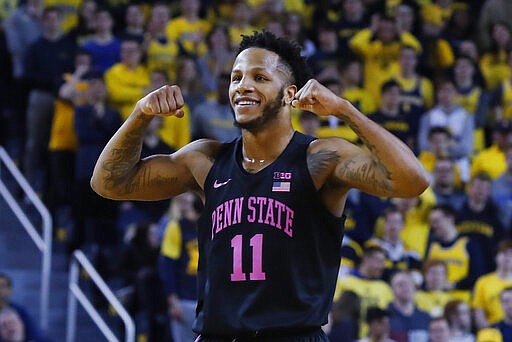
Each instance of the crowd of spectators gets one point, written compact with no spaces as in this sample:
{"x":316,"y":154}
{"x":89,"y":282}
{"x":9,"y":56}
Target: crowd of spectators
{"x":436,"y":73}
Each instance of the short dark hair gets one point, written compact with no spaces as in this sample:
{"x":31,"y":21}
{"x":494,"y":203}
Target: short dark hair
{"x":439,"y":129}
{"x":482,"y":175}
{"x":388,"y":85}
{"x":287,"y":50}
{"x":451,"y":308}
{"x":429,"y":263}
{"x":372,"y":249}
{"x":447,"y":209}
{"x":504,"y":245}
{"x":374,"y":313}
{"x":391,"y":210}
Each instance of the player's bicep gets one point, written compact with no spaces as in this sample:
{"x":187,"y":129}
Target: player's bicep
{"x":359,"y":169}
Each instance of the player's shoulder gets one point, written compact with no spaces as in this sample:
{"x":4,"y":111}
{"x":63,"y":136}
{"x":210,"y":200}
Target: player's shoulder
{"x":336,"y":145}
{"x":204,"y":146}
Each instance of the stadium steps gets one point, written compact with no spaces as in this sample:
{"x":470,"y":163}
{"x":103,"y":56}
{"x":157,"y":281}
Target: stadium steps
{"x":21,"y":260}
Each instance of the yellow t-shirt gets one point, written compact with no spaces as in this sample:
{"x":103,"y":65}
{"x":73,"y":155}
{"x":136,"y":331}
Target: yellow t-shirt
{"x":380,"y":60}
{"x":433,"y":302}
{"x":181,"y":30}
{"x":486,"y":296}
{"x":506,"y":99}
{"x":69,"y":10}
{"x":416,"y":226}
{"x":162,"y":56}
{"x":62,"y":134}
{"x":491,"y":161}
{"x":172,"y":247}
{"x":489,"y":335}
{"x":125,"y":87}
{"x":175,"y":132}
{"x":435,"y":15}
{"x":236,"y":32}
{"x":371,"y":292}
{"x":494,"y":68}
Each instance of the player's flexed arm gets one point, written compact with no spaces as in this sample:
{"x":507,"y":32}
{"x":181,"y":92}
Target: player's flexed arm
{"x":388,"y":168}
{"x":121,"y":174}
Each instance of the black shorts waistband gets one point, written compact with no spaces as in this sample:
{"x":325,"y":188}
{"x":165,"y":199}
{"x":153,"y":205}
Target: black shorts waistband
{"x":260,"y":335}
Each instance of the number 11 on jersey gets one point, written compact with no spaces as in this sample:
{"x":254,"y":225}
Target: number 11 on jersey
{"x":256,"y":243}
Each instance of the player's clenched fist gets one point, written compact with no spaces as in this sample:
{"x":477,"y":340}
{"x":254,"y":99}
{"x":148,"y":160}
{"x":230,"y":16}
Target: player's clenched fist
{"x":166,"y":100}
{"x":316,"y":98}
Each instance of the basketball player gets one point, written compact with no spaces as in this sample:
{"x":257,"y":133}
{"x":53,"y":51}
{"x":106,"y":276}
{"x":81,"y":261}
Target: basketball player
{"x":270,"y":233}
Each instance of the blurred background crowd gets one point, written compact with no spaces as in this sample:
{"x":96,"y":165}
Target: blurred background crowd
{"x":436,"y":73}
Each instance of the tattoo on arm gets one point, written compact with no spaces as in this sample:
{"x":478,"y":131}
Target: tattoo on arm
{"x":321,"y":161}
{"x":361,"y":136}
{"x":123,"y":157}
{"x":145,"y":179}
{"x":369,"y":172}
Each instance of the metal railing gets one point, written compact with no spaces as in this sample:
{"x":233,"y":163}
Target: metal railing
{"x":76,"y":294}
{"x":44,"y":242}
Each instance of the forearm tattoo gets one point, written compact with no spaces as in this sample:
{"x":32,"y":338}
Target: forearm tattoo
{"x":361,"y":136}
{"x":123,"y":157}
{"x":373,"y":172}
{"x":369,"y":172}
{"x":145,"y":179}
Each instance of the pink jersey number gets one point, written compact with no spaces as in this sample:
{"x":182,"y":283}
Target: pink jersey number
{"x":257,"y":249}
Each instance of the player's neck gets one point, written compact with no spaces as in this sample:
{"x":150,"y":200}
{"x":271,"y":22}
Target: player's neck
{"x":264,"y":146}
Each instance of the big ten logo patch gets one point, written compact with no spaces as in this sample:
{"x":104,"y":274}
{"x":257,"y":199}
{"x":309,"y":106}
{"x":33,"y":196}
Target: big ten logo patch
{"x":282,"y":175}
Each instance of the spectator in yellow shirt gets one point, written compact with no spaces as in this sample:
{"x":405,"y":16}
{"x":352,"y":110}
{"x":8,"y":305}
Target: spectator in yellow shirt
{"x":461,"y":254}
{"x":161,"y":51}
{"x":493,"y":62}
{"x":189,"y":29}
{"x":240,"y":23}
{"x":379,"y":46}
{"x":128,"y":80}
{"x":492,"y":159}
{"x":502,"y":97}
{"x":435,"y":292}
{"x":417,"y":93}
{"x":471,"y":96}
{"x":173,"y":131}
{"x":366,"y":282}
{"x":63,"y":143}
{"x":486,"y":302}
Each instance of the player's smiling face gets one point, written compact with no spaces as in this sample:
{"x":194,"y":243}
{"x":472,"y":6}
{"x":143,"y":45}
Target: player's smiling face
{"x":257,"y":83}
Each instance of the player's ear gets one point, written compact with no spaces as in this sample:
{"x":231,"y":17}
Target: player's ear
{"x":289,"y":93}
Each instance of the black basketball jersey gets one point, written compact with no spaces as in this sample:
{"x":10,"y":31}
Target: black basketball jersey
{"x":269,"y":249}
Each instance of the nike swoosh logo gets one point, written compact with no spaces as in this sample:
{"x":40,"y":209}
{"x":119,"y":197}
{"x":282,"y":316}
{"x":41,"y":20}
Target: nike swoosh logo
{"x":218,"y":185}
